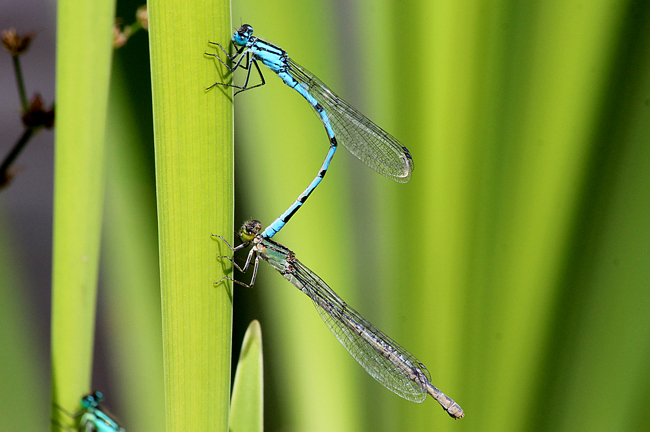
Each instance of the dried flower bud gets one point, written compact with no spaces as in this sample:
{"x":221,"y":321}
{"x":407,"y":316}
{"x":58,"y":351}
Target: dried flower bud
{"x":36,"y":115}
{"x":14,"y":43}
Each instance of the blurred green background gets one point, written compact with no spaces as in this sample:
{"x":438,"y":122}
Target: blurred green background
{"x":514,"y":264}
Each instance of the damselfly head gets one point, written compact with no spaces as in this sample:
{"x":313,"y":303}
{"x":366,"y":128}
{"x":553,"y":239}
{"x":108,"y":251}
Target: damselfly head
{"x":241,"y":36}
{"x":249,"y":230}
{"x":92,"y":400}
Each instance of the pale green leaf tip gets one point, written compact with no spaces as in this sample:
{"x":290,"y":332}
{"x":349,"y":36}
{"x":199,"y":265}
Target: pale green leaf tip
{"x":247,"y":408}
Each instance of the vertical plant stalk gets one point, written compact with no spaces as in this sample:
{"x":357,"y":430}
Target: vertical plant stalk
{"x":131,"y":286}
{"x":193,"y":132}
{"x":21,"y":84}
{"x":84,"y":50}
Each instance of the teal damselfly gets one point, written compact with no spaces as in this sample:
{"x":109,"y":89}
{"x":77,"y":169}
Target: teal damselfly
{"x":91,"y":417}
{"x":371,"y":144}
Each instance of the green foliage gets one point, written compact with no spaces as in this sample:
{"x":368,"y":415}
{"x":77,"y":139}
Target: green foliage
{"x":22,"y":375}
{"x":513,"y":264}
{"x":247,"y":407}
{"x":194,"y":176}
{"x":508,"y":263}
{"x":131,"y":295}
{"x":83,"y":68}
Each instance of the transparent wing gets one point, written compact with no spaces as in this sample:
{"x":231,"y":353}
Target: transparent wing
{"x":371,"y":144}
{"x":387,"y":362}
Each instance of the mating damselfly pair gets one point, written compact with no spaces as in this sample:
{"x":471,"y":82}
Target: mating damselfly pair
{"x":384,"y":359}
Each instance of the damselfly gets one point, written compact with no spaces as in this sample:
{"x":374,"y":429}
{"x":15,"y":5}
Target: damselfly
{"x":92,"y":417}
{"x":383,"y":358}
{"x":364,"y":139}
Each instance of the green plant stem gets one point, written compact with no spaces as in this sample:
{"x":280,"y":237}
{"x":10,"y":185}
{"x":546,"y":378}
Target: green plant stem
{"x":29,"y":131}
{"x":20,"y":82}
{"x":193,"y":139}
{"x":84,"y":51}
{"x":15,"y":151}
